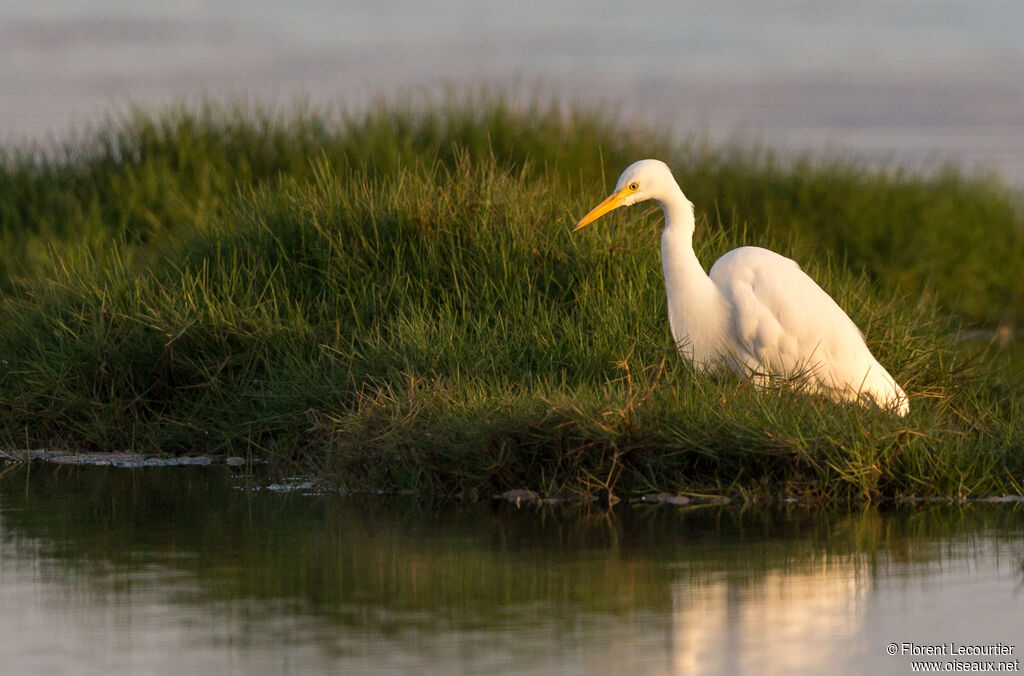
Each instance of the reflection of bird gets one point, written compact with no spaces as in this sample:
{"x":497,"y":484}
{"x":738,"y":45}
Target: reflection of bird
{"x":757,"y":311}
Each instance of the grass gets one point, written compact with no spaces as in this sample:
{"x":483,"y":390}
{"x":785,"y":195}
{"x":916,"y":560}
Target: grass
{"x":394,"y":299}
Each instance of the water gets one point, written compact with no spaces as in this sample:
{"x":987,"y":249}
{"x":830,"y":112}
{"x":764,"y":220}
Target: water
{"x":188,"y":570}
{"x":917,"y":82}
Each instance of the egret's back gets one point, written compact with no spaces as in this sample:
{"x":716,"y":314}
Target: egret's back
{"x":783,"y":325}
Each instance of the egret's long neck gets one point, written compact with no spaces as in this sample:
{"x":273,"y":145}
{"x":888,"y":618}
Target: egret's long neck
{"x":696,"y":310}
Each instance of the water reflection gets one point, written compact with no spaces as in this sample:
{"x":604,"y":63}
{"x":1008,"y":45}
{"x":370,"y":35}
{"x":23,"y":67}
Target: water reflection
{"x":931,"y":576}
{"x":729,"y":628}
{"x":167,"y":570}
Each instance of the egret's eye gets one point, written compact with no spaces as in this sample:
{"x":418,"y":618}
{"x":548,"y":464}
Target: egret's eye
{"x":634,"y":186}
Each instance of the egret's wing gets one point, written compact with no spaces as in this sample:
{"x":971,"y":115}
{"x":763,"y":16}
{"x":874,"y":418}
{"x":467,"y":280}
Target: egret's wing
{"x":783,"y":323}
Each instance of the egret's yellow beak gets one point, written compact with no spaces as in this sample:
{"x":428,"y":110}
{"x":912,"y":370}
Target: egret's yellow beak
{"x":614,"y":201}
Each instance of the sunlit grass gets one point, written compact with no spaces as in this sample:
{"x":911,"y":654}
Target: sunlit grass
{"x":395,"y":299}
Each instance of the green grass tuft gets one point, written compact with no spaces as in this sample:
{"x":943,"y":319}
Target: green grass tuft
{"x":395,"y":299}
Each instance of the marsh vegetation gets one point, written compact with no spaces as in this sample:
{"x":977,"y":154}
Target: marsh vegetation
{"x":394,"y":299}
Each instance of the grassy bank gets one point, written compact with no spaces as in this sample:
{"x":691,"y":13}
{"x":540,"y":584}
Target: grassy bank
{"x":395,"y":299}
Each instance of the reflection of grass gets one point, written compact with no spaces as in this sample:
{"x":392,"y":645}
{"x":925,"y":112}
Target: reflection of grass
{"x":347,"y":557}
{"x":396,"y":300}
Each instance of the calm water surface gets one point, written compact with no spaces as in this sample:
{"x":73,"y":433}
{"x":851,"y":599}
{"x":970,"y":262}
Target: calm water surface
{"x":189,"y":570}
{"x":918,"y":82}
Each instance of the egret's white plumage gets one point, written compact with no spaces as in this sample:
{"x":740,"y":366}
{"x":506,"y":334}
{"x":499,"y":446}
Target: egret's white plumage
{"x":757,"y":311}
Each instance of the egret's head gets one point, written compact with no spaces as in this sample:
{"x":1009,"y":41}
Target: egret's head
{"x":643,"y":180}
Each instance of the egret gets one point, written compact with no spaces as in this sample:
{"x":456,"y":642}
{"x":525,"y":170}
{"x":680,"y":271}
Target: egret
{"x":756,"y":312}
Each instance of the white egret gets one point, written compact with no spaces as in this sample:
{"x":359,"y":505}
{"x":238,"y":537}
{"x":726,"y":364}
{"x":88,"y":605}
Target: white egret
{"x":757,"y":312}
